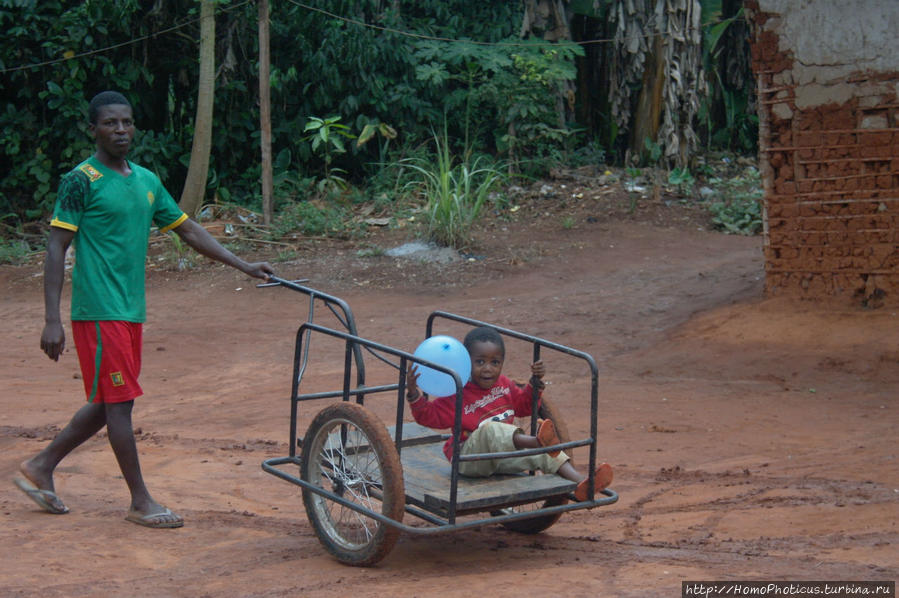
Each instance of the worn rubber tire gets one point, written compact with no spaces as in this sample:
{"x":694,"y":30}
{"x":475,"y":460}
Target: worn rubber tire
{"x":538,"y":524}
{"x":372,"y":478}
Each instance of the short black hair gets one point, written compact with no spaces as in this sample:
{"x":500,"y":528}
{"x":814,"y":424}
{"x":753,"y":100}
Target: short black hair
{"x":104,"y":98}
{"x":484,"y":334}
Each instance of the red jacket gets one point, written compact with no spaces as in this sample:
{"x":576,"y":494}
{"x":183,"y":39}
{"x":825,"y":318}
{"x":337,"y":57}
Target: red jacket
{"x":503,"y":402}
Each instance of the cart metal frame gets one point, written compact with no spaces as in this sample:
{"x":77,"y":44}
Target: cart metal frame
{"x":442,"y":513}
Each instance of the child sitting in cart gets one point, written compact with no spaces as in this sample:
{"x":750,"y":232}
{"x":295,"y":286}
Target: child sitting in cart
{"x":490,"y":401}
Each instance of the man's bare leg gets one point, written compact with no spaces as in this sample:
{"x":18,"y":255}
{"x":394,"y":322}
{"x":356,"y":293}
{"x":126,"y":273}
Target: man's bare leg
{"x":144,"y":510}
{"x":86,"y":422}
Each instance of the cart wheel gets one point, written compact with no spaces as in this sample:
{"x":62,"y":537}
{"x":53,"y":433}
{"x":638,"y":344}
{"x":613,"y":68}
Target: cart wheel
{"x":538,"y":524}
{"x":349,"y":452}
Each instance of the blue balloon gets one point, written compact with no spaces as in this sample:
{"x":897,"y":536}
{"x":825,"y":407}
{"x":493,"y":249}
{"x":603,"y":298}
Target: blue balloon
{"x":448,"y":352}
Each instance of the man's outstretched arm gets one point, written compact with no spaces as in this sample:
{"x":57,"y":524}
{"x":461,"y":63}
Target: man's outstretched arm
{"x":199,"y":238}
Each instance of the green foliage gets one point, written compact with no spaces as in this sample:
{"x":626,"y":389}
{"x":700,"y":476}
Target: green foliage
{"x":682,"y":180}
{"x":653,"y":151}
{"x":326,"y":136}
{"x":725,"y":111}
{"x":505,"y":94}
{"x":741,"y":128}
{"x":14,"y":251}
{"x":43,"y":127}
{"x":288,"y":183}
{"x":455,"y":191}
{"x":737,"y":209}
{"x":499,"y":95}
{"x":588,"y":154}
{"x":320,"y":64}
{"x":158,"y":151}
{"x":741,"y":216}
{"x":311,"y":219}
{"x":378,"y":130}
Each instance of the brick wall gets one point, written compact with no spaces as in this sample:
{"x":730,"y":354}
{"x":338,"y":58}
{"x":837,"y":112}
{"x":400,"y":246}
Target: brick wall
{"x":831,"y":173}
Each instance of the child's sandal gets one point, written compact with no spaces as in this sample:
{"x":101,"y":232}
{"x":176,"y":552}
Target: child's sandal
{"x":546,"y":435}
{"x":602,"y":479}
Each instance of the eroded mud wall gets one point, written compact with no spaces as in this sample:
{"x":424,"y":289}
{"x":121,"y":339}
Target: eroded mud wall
{"x":828,"y":77}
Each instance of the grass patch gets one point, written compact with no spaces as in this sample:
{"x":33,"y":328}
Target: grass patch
{"x":455,"y":191}
{"x":312,"y":219}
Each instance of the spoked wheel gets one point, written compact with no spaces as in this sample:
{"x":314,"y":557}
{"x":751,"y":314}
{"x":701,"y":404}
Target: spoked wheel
{"x":538,"y":524}
{"x":349,"y":452}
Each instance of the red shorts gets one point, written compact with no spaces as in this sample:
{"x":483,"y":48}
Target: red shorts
{"x":109,"y":354}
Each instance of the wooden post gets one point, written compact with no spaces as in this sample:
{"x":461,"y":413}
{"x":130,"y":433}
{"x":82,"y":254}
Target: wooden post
{"x":265,"y":112}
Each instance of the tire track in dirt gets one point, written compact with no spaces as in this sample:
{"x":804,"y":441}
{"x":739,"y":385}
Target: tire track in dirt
{"x":708,"y":541}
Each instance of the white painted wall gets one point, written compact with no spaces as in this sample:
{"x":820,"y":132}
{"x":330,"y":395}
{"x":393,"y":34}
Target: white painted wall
{"x":831,"y":40}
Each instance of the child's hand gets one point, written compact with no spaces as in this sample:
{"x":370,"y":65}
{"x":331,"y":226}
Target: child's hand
{"x":412,"y":392}
{"x":538,"y":370}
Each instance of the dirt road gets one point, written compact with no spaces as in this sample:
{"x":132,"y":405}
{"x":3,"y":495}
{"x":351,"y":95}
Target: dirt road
{"x":751,"y":439}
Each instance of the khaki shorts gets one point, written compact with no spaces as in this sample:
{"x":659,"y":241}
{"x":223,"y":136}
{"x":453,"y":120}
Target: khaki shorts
{"x":496,"y":437}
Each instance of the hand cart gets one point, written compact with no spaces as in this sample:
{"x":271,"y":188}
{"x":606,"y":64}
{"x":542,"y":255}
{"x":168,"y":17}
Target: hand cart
{"x":359,"y":478}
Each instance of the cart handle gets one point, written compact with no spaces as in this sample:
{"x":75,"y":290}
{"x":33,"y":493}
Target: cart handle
{"x":274,"y":281}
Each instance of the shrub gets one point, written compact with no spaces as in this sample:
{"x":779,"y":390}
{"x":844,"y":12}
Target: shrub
{"x":454,"y":190}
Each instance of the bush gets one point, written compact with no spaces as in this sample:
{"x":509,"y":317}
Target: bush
{"x":738,"y":206}
{"x":454,"y":191}
{"x":742,"y":216}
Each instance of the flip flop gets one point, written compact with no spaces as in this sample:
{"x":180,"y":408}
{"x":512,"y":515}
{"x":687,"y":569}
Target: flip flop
{"x":45,"y":499}
{"x":155,"y":520}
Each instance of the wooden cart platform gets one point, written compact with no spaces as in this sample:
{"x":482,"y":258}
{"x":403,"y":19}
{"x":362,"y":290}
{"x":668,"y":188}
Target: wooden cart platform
{"x":427,"y":478}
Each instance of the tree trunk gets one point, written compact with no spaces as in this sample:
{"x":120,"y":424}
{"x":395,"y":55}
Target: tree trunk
{"x":546,"y":19}
{"x":648,"y":114}
{"x":265,"y":112}
{"x":198,"y":171}
{"x":658,"y":51}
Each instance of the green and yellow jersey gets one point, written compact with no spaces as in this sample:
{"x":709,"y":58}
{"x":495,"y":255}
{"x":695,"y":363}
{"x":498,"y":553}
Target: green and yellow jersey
{"x":111,"y":216}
